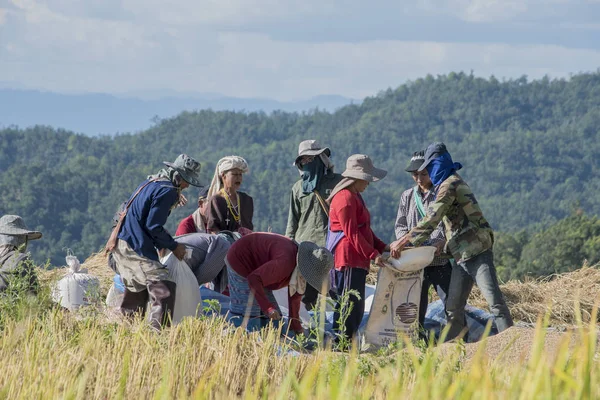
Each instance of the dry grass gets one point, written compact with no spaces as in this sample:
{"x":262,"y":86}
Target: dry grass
{"x":557,"y":294}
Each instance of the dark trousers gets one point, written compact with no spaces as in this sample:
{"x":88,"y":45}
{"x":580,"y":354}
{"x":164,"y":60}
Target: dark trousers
{"x":350,"y":279}
{"x":439,"y":278}
{"x":480,"y":270}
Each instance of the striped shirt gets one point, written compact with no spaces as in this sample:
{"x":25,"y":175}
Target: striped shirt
{"x":205,"y":254}
{"x":408,"y":217}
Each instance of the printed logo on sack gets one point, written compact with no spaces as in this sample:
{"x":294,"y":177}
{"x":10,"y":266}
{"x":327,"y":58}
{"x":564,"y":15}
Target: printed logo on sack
{"x":407,"y":312}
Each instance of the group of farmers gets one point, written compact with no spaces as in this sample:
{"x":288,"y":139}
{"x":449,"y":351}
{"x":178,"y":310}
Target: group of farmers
{"x":327,"y":249}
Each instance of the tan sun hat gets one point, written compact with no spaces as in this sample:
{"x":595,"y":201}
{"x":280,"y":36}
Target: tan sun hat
{"x":311,"y":148}
{"x":360,"y":166}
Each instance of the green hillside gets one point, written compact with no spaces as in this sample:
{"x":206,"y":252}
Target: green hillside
{"x":529,"y":149}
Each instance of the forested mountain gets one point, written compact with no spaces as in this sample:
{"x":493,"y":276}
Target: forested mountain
{"x":529,"y":149}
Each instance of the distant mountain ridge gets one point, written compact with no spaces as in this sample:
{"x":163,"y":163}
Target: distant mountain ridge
{"x":106,"y":114}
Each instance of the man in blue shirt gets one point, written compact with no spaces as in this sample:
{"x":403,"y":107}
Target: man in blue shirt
{"x":143,"y":234}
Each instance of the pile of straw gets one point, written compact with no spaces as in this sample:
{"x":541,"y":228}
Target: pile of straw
{"x":557,"y":294}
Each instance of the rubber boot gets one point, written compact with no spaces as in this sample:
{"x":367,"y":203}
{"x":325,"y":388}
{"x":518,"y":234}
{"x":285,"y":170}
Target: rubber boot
{"x":162,"y":302}
{"x":134,"y":302}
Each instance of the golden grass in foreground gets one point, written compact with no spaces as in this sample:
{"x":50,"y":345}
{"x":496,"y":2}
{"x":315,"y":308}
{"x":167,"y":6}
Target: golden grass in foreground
{"x":48,"y":353}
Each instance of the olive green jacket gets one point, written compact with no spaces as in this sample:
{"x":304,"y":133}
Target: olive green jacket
{"x":307,"y":221}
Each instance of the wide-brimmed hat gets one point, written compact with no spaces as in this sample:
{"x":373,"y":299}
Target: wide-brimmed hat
{"x":433,"y":151}
{"x":416,"y":160}
{"x":187,"y":167}
{"x":314,"y":263}
{"x":360,"y":166}
{"x":311,"y":148}
{"x":15,"y":226}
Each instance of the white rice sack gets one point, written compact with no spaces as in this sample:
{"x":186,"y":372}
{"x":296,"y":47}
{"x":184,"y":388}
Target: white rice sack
{"x":77,"y":288}
{"x":188,"y":302}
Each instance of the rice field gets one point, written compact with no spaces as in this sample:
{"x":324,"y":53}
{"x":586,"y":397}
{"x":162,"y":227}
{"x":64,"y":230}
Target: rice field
{"x":49,"y":353}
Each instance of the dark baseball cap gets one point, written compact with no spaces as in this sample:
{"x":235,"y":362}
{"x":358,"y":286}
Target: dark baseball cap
{"x":433,"y":151}
{"x":416,"y":160}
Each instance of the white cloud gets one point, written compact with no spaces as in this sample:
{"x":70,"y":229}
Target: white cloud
{"x":177,"y":47}
{"x":495,"y":10}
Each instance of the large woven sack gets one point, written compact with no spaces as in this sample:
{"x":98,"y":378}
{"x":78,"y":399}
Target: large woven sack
{"x":77,"y":288}
{"x":188,"y":302}
{"x":395,"y":308}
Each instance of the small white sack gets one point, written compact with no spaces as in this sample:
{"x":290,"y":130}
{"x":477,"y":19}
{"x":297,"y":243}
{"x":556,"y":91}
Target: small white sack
{"x":187,"y":294}
{"x":395,"y":307}
{"x":77,"y":288}
{"x":114,"y":298}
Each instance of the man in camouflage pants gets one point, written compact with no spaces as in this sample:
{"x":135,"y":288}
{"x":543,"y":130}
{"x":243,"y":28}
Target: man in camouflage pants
{"x":469,"y":239}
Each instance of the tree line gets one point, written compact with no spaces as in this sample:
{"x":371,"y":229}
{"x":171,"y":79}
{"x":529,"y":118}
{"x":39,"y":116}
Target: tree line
{"x":529,"y":150}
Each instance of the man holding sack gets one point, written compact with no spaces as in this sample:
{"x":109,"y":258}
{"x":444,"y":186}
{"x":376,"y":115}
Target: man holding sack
{"x":140,"y":233}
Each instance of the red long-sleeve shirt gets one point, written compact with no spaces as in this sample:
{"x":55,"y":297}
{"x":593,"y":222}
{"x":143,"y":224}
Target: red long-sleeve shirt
{"x":359,"y":245}
{"x":267,"y":260}
{"x":186,"y":226}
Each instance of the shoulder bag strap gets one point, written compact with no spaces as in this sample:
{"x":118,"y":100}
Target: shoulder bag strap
{"x":419,"y":203}
{"x":322,"y":202}
{"x":138,"y":192}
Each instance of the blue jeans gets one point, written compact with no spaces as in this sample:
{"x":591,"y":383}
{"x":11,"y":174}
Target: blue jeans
{"x":480,"y":270}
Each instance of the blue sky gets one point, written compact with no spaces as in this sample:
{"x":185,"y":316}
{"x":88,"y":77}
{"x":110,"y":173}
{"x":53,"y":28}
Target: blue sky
{"x":287,"y":50}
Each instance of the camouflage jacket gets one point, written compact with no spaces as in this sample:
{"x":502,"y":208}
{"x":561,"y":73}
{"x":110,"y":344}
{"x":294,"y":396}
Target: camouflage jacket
{"x":467,"y":231}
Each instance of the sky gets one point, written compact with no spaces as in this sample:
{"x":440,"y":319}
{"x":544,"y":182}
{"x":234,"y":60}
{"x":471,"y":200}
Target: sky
{"x":287,"y":50}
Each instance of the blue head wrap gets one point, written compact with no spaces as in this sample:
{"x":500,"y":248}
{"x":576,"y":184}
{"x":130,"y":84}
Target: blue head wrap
{"x":440,"y":168}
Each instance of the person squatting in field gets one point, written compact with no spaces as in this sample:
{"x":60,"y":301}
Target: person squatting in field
{"x":14,"y":259}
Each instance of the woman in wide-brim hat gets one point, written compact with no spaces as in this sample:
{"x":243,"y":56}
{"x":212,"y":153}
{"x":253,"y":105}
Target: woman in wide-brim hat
{"x":351,"y":239}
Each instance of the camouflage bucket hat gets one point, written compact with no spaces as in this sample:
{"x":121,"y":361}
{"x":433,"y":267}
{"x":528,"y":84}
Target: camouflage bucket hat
{"x":187,"y":167}
{"x":14,"y":225}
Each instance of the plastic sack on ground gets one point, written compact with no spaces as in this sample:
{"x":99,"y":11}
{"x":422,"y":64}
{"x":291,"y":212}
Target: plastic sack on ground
{"x":77,"y":288}
{"x":187,"y":295}
{"x":477,"y":319}
{"x":281,"y":295}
